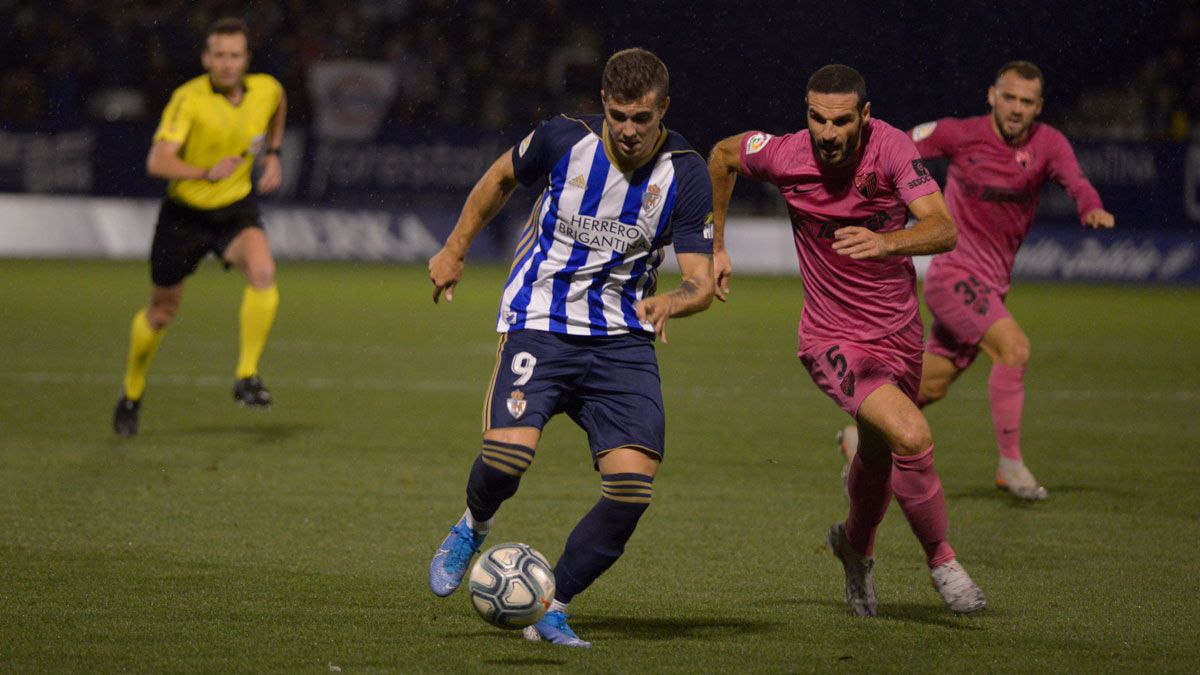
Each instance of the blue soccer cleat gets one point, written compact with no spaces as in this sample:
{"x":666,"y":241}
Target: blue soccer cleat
{"x":449,"y":564}
{"x":553,"y":628}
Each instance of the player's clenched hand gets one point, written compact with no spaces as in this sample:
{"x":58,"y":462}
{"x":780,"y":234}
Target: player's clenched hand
{"x":656,"y":310}
{"x":859,"y":243}
{"x":271,"y":176}
{"x":722,"y":270}
{"x":223,"y":168}
{"x":445,"y":271}
{"x":1099,"y":219}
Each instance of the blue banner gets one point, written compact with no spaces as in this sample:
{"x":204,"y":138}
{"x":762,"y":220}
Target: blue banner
{"x":1123,"y":255}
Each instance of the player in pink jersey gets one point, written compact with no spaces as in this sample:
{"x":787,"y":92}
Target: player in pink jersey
{"x":849,"y":183}
{"x":998,"y":165}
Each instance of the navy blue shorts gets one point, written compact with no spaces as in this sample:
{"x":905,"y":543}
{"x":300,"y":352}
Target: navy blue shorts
{"x":609,"y":385}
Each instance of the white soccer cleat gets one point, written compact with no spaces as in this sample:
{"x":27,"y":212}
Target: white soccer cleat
{"x":860,"y":586}
{"x":961,"y":594}
{"x":1015,"y":477}
{"x":847,"y":440}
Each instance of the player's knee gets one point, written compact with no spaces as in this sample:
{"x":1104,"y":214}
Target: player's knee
{"x":912,"y":438}
{"x":1016,"y":353}
{"x":261,"y":274}
{"x":934,"y":390}
{"x":160,"y":313}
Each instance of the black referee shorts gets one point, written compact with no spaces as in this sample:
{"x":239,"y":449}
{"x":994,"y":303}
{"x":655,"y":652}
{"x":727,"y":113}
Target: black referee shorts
{"x":184,"y":235}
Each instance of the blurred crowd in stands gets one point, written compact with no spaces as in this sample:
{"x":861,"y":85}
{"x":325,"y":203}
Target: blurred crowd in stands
{"x":491,"y":64}
{"x":482,"y":63}
{"x":1159,"y":102}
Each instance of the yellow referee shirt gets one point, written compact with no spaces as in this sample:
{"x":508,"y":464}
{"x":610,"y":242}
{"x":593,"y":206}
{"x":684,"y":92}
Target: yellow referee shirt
{"x":211,"y":129}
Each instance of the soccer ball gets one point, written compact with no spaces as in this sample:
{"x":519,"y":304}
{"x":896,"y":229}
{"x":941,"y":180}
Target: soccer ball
{"x":511,"y":585}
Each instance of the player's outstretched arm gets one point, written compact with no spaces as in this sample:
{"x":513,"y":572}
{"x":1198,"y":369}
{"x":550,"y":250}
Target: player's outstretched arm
{"x":272,"y":172}
{"x":490,"y":193}
{"x":934,"y":232}
{"x":164,"y":162}
{"x":724,"y":165}
{"x":695,"y":293}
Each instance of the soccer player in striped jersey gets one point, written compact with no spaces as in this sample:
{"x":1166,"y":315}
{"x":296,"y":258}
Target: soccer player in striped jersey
{"x":850,"y":181}
{"x":579,"y":313}
{"x":999,"y":163}
{"x":212,"y":132}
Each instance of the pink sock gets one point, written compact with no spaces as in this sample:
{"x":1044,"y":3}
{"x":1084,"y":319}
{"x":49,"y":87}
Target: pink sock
{"x":870,"y":493}
{"x":919,"y":491}
{"x":1006,"y":391}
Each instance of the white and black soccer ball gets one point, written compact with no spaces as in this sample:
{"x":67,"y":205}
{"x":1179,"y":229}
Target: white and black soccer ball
{"x":511,"y":585}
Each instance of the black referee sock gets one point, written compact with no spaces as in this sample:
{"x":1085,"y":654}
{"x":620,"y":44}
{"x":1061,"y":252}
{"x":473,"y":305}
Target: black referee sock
{"x":599,"y":539}
{"x":495,"y":477}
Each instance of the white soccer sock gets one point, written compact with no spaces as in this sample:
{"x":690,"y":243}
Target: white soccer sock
{"x":479,"y":527}
{"x":556,"y":606}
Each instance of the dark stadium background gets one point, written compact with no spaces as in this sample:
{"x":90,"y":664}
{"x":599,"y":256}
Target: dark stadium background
{"x":83,"y":84}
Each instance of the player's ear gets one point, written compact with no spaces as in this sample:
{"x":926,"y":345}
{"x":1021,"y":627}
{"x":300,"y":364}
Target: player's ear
{"x":866,"y":111}
{"x":664,"y":104}
{"x":992,"y":96}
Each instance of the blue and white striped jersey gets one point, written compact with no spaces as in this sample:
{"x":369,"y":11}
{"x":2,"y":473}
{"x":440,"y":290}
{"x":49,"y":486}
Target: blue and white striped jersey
{"x":593,"y":243}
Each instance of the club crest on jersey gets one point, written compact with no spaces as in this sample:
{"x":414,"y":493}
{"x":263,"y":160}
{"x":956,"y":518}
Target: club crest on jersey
{"x":651,"y":197}
{"x":1024,"y":158}
{"x":757,"y":142}
{"x":516,"y":404}
{"x":867,"y":185}
{"x":848,"y":384}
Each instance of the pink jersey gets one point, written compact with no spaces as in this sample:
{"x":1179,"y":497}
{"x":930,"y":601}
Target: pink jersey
{"x":992,"y":189}
{"x":850,"y":299}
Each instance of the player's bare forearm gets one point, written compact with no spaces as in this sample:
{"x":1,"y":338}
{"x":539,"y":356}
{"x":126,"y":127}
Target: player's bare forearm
{"x":278,"y":122}
{"x":490,"y":193}
{"x":694,"y":295}
{"x":932,"y":234}
{"x":934,"y":231}
{"x":164,"y":162}
{"x":488,"y":196}
{"x":695,"y":292}
{"x":724,"y":164}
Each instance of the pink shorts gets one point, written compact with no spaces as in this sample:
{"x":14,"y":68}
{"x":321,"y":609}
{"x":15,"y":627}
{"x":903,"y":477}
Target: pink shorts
{"x":849,"y":371}
{"x":963,"y":309}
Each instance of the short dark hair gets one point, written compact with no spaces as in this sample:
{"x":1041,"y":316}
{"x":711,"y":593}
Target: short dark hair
{"x":632,"y":73}
{"x":229,"y":25}
{"x":1025,"y":69}
{"x":838,"y":79}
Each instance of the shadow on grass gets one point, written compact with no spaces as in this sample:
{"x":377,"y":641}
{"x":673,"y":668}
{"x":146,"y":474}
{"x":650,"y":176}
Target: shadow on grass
{"x":526,"y":662}
{"x":666,"y":628}
{"x":929,"y":614}
{"x":644,"y":629}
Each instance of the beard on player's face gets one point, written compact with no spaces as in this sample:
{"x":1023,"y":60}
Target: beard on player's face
{"x":1012,"y":125}
{"x":836,"y":151}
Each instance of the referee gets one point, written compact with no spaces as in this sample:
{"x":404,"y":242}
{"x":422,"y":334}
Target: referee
{"x":212,"y":131}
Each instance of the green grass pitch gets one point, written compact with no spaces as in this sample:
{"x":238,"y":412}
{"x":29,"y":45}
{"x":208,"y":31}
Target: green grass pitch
{"x":298,"y":539}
